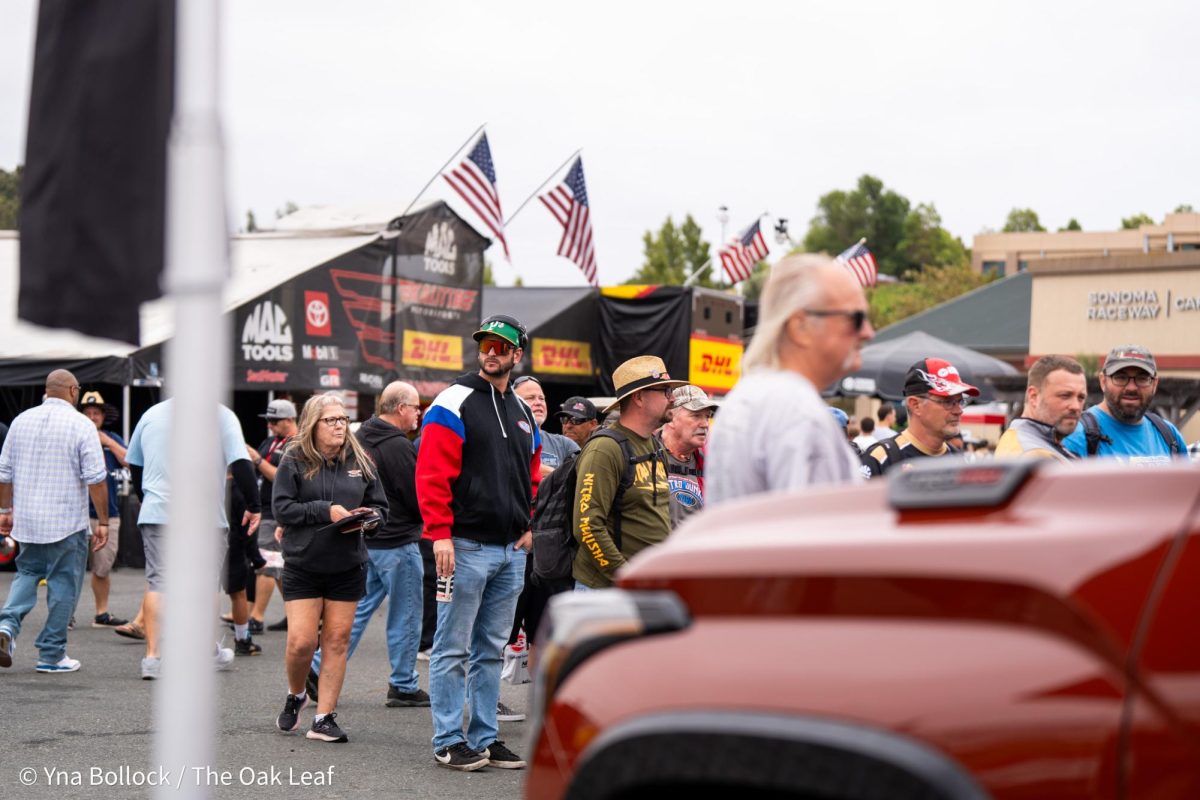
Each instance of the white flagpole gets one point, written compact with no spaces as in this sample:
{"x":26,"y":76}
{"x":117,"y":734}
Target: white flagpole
{"x":441,"y":169}
{"x":538,"y":189}
{"x":700,"y":269}
{"x":197,"y":377}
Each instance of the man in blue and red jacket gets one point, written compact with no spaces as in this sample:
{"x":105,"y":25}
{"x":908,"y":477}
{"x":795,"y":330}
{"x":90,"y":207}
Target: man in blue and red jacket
{"x":477,"y":470}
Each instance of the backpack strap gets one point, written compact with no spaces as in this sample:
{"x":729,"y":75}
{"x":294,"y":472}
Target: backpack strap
{"x":892,"y":449}
{"x":627,"y":479}
{"x":1092,"y":433}
{"x":1164,"y":430}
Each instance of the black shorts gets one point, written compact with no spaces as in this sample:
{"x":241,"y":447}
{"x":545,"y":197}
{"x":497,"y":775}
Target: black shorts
{"x":303,"y":584}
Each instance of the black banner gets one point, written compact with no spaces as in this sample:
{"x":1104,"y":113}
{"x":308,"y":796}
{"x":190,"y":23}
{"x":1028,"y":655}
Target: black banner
{"x":402,"y":306}
{"x":654,"y":322}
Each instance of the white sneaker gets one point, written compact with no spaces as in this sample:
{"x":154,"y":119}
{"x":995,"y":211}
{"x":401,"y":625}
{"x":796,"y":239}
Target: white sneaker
{"x":223,"y":659}
{"x":65,"y":665}
{"x":151,"y":668}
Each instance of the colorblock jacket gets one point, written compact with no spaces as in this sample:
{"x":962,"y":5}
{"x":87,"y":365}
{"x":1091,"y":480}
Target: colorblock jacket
{"x":479,"y":463}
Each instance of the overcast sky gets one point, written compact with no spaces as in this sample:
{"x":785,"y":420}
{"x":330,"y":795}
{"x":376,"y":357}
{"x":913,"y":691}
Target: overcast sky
{"x":1084,"y":109}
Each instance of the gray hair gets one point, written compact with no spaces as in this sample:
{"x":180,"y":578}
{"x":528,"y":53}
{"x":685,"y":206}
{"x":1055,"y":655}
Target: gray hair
{"x":793,"y":284}
{"x":394,"y":395}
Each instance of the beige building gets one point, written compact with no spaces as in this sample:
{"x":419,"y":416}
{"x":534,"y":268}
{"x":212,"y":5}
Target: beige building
{"x":1010,"y":253}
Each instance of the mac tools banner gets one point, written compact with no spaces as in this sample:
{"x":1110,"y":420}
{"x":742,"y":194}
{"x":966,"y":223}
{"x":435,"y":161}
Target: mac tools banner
{"x":403,"y":306}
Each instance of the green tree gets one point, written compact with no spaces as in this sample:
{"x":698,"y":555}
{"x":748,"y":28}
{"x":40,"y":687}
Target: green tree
{"x":10,"y":197}
{"x":752,"y":287}
{"x":1184,"y":208}
{"x":1022,"y":220}
{"x":251,"y":223}
{"x":921,"y":290}
{"x":518,"y":281}
{"x":673,"y":254}
{"x":1072,"y":225}
{"x":869,"y":211}
{"x":1136,"y":221}
{"x":926,"y":243}
{"x":288,"y":208}
{"x":489,"y":277}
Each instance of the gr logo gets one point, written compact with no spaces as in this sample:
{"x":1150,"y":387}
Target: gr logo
{"x":267,"y":336}
{"x":441,"y":253}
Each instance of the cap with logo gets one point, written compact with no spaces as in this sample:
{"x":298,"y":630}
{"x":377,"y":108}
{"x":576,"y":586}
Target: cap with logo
{"x":640,"y":372}
{"x":1130,"y":355}
{"x":692,"y":398}
{"x":937,"y":377}
{"x":280,"y":409}
{"x":579,"y":409}
{"x":507,"y":328}
{"x":96,"y":400}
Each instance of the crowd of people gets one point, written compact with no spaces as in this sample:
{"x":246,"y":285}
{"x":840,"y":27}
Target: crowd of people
{"x":443,"y":527}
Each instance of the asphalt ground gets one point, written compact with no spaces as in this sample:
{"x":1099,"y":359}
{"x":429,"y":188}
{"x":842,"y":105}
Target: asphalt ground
{"x":99,"y":720}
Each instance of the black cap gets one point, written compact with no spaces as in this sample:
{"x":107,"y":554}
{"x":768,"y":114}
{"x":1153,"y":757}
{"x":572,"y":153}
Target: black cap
{"x":579,"y":409}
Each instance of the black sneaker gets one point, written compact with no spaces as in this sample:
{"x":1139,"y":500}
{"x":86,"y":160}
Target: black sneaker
{"x":460,"y":757}
{"x":399,"y":699}
{"x":498,"y":755}
{"x":278,"y":626}
{"x":246,"y":647}
{"x":310,"y":684}
{"x":107,"y":620}
{"x":289,"y":719}
{"x":327,"y":730}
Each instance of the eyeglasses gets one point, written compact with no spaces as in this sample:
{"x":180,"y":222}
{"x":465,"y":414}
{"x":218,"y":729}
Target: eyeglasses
{"x":525,"y":379}
{"x":948,"y":403}
{"x":496,"y":346}
{"x":335,"y":422}
{"x":571,"y":421}
{"x":1142,"y":379}
{"x":857,"y":318}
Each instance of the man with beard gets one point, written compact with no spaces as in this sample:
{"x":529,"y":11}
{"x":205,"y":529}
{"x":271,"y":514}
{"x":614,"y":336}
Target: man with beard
{"x":479,"y":461}
{"x":1122,"y":425}
{"x":775,"y":431}
{"x":622,"y":498}
{"x":684,"y":437}
{"x":934,"y":396}
{"x":1054,"y":399}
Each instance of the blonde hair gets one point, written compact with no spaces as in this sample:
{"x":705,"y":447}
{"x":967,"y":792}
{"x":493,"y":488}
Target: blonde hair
{"x":303,"y":447}
{"x":793,"y":284}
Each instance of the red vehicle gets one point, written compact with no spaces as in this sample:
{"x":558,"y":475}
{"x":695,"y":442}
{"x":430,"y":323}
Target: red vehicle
{"x":1005,"y":630}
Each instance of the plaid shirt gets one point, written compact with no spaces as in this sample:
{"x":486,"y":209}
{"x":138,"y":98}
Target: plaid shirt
{"x":51,"y":455}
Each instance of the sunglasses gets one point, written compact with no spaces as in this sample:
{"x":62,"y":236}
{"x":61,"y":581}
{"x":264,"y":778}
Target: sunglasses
{"x":525,"y":379}
{"x":494,"y":346}
{"x":857,"y":318}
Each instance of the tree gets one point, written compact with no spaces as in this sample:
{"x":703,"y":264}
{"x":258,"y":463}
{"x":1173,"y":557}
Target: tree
{"x":892,"y":302}
{"x":489,"y":277}
{"x":251,"y":223}
{"x":1022,"y":220}
{"x":1184,"y":208}
{"x":10,"y":197}
{"x":288,"y":208}
{"x":752,"y":287}
{"x":1136,"y":221}
{"x":869,"y":211}
{"x":926,"y":243}
{"x":675,"y":253}
{"x":1072,"y":225}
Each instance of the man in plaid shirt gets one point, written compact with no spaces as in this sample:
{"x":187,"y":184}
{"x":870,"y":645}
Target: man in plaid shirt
{"x":51,"y":462}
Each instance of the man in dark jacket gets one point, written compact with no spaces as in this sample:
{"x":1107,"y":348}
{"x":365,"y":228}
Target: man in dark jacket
{"x":394,"y":567}
{"x":479,"y":461}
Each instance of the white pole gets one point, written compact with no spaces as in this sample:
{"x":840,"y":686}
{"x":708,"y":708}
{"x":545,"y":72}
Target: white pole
{"x":197,"y":378}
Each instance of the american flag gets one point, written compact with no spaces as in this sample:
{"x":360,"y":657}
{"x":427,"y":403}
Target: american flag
{"x":568,"y":203}
{"x":741,"y":254}
{"x":858,"y":260}
{"x":475,"y":181}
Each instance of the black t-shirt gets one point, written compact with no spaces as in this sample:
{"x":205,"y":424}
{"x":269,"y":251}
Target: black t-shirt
{"x":271,"y":449}
{"x":881,"y":456}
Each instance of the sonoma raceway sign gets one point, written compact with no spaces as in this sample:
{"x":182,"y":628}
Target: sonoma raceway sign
{"x":1142,"y":304}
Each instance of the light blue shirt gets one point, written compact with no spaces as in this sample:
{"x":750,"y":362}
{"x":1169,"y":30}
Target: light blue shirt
{"x":150,"y":449}
{"x":1133,"y":444}
{"x":51,"y":455}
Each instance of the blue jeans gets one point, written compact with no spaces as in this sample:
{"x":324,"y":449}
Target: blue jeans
{"x":397,"y":574}
{"x":61,"y":563}
{"x":468,"y":648}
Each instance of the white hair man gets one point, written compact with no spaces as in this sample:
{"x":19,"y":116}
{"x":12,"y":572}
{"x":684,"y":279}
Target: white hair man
{"x":775,"y":432}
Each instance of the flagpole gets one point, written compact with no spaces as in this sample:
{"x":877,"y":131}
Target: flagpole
{"x":557,"y":170}
{"x":442,"y":167}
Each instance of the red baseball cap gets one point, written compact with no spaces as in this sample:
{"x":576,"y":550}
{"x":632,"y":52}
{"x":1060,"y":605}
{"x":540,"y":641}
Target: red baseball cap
{"x":937,"y":377}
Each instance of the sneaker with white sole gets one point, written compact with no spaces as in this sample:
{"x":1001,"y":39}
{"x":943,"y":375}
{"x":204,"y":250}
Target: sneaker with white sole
{"x":506,"y":714}
{"x":6,"y":648}
{"x":151,"y":668}
{"x":288,"y":720}
{"x":65,"y":665}
{"x":500,"y":756}
{"x":461,"y":757}
{"x":223,"y":659}
{"x":326,"y":729}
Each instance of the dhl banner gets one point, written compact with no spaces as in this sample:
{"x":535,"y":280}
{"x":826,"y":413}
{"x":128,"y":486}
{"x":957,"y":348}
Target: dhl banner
{"x":714,"y":364}
{"x":432,"y":350}
{"x":562,"y":357}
